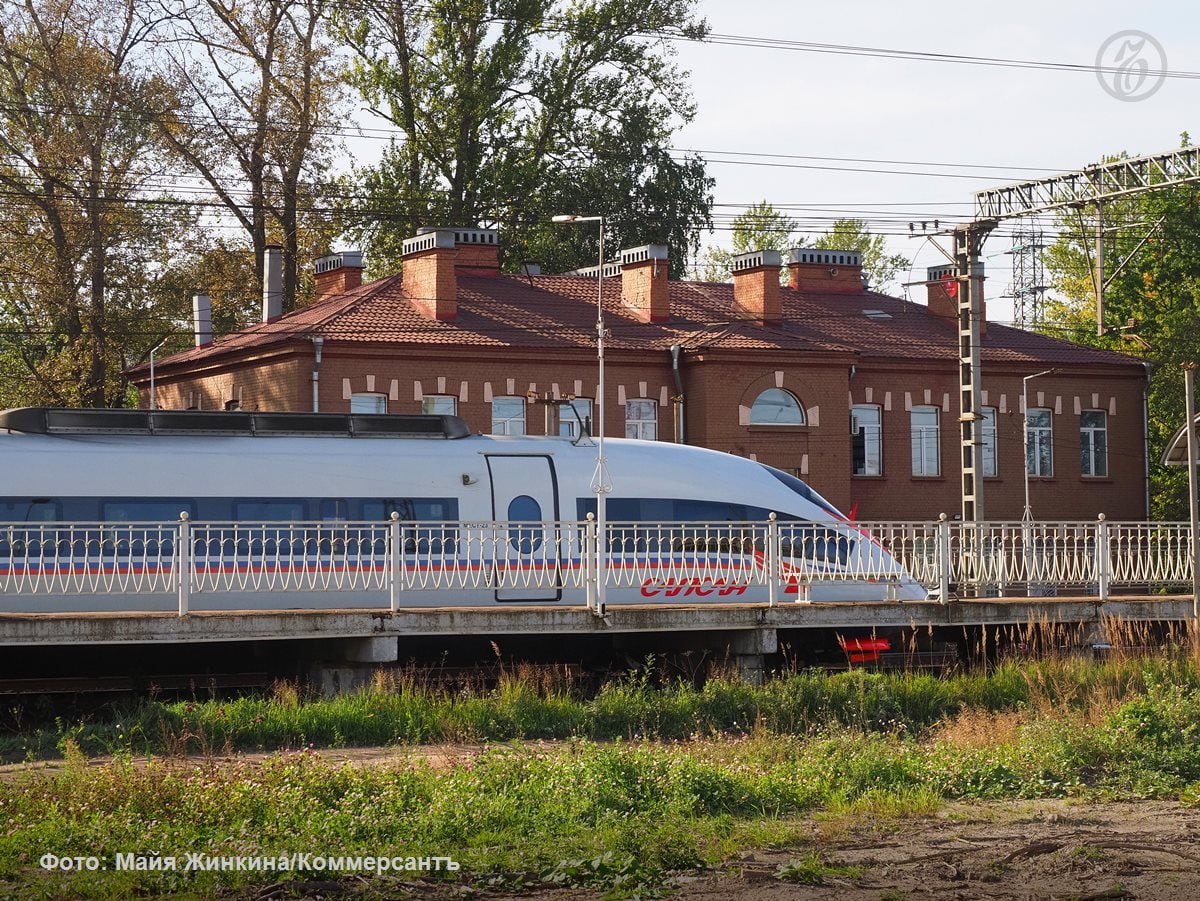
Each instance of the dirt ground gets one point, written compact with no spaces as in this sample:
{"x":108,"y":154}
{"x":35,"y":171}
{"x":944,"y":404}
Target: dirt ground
{"x":1008,"y":850}
{"x":1016,"y":851}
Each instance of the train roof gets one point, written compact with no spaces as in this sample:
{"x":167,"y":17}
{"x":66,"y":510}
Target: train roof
{"x":65,"y":421}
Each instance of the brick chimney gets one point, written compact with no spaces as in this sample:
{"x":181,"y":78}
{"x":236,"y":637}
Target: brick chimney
{"x":825,"y":271}
{"x":435,"y":257}
{"x":338,"y":273}
{"x":428,"y":278}
{"x":644,"y":286}
{"x":942,"y":292}
{"x":478,"y":251}
{"x":756,"y":285}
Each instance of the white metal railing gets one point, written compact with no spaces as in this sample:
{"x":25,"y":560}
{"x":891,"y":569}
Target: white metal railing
{"x":398,"y":558}
{"x":713,"y":555}
{"x":88,"y":558}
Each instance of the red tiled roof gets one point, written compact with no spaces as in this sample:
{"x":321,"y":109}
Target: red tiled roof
{"x":557,"y":311}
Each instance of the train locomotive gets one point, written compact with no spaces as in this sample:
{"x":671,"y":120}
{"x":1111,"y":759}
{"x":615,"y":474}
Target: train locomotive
{"x":315,"y":505}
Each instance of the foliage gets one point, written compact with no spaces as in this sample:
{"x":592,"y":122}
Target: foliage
{"x":256,"y":86}
{"x":625,"y":877}
{"x":880,"y":267}
{"x":82,"y":248}
{"x":762,"y":227}
{"x":523,"y":708}
{"x":613,"y":816}
{"x":512,"y":111}
{"x":1155,"y":296}
{"x":759,"y":227}
{"x":813,"y":870}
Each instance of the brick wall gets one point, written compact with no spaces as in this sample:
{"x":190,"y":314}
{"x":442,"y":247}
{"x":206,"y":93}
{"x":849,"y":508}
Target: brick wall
{"x":1066,"y":495}
{"x":721,"y":387}
{"x":278,"y":382}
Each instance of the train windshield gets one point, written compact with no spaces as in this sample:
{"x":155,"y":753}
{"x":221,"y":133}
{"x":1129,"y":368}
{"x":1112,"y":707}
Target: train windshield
{"x":803,"y":490}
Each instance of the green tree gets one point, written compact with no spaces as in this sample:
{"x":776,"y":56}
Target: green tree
{"x":76,"y":150}
{"x":1152,"y":307}
{"x":512,"y":111}
{"x":257,"y":85}
{"x":880,"y":267}
{"x":759,"y":227}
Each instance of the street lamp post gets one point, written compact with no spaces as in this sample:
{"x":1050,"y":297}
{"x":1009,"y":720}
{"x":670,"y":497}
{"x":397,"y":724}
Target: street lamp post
{"x":153,"y":398}
{"x":601,"y":484}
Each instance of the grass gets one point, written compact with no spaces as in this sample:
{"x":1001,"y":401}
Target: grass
{"x":558,"y":810}
{"x":404,"y":709}
{"x":619,"y":815}
{"x":815,"y":870}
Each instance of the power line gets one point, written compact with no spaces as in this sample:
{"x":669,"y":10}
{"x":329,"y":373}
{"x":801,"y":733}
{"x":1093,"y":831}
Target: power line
{"x":765,"y":43}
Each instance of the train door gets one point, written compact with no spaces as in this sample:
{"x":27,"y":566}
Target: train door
{"x":527,"y":558}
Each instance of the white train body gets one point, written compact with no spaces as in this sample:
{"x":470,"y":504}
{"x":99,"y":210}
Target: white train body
{"x":458,"y":488}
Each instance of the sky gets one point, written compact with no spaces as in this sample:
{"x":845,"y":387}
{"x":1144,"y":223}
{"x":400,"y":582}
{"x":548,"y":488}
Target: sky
{"x":777,"y":101}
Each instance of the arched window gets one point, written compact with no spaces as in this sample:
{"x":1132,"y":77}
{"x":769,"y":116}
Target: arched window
{"x":775,"y":406}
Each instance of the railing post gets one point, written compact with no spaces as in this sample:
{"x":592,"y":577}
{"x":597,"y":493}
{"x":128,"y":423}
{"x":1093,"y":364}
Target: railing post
{"x":184,"y":569}
{"x":1103,"y":557}
{"x":395,"y":548}
{"x":1001,"y":557}
{"x":590,"y":569}
{"x":774,"y":575}
{"x":943,"y":559}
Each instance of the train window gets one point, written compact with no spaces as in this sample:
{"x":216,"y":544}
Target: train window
{"x":32,"y":542}
{"x":154,"y":539}
{"x":334,"y":511}
{"x":709,"y":511}
{"x":411,"y":508}
{"x":35,"y":510}
{"x":525,"y":509}
{"x":276,"y":510}
{"x":163,"y":510}
{"x":813,"y":542}
{"x":435,"y":540}
{"x":803,"y":490}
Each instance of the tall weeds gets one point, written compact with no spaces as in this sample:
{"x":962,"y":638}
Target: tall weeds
{"x":411,"y":706}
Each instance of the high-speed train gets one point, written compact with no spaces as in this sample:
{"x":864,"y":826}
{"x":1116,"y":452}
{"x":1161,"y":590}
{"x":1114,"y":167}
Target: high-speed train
{"x":483,"y":519}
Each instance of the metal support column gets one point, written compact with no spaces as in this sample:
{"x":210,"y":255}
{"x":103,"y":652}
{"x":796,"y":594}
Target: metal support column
{"x":1098,"y":275}
{"x":968,"y":240}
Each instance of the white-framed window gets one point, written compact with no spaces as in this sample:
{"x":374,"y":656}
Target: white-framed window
{"x":368,"y":403}
{"x":987,"y":442}
{"x":866,"y":438}
{"x":439,"y":404}
{"x":1039,"y":442}
{"x":926,"y":441}
{"x":508,"y":416}
{"x":1093,"y":443}
{"x":641,"y":419}
{"x":573,"y":412}
{"x":777,"y":406}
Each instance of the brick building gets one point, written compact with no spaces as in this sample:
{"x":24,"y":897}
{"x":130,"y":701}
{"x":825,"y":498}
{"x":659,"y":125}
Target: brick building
{"x":854,"y":391}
